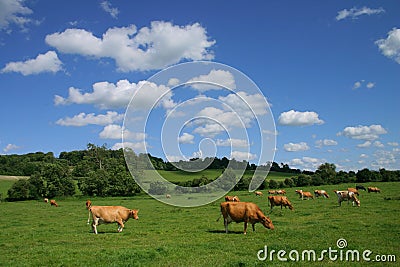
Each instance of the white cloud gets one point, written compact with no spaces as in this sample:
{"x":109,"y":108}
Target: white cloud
{"x":294,"y":147}
{"x":173,"y":82}
{"x":234,"y":142}
{"x":370,"y":85}
{"x":83,"y":119}
{"x":221,"y":78}
{"x":48,"y":62}
{"x":209,"y":130}
{"x":139,"y":147}
{"x":109,"y":95}
{"x":325,"y":142}
{"x":106,"y":6}
{"x":390,"y":47}
{"x":365,"y":144}
{"x":240,"y":156}
{"x":297,"y":118}
{"x":367,"y":133}
{"x":13,"y":12}
{"x":354,"y":12}
{"x":246,"y":105}
{"x":378,"y":144}
{"x":10,"y":147}
{"x":114,"y":131}
{"x":364,"y":156}
{"x":393,"y":143}
{"x":186,"y":138}
{"x":161,"y":45}
{"x":358,"y":84}
{"x":306,"y":163}
{"x":385,"y":159}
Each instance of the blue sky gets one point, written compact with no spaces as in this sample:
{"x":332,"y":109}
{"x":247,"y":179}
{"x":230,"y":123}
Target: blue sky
{"x":328,"y":71}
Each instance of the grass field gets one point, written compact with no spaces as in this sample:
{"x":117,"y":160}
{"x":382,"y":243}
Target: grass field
{"x":35,"y":234}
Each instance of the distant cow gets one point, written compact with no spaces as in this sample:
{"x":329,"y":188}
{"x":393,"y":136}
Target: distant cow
{"x":347,"y":195}
{"x":280,"y":201}
{"x":88,"y":205}
{"x":167,"y":196}
{"x":53,"y":203}
{"x":271,"y":192}
{"x":373,"y":189}
{"x":281,"y":192}
{"x":258,"y":193}
{"x":232,"y":199}
{"x":112,"y":214}
{"x":46,"y":200}
{"x":304,"y":194}
{"x":246,"y":212}
{"x":355,"y":191}
{"x":319,"y":193}
{"x":360,"y":187}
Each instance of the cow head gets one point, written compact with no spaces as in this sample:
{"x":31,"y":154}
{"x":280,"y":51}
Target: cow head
{"x":266,"y":221}
{"x":134,"y":214}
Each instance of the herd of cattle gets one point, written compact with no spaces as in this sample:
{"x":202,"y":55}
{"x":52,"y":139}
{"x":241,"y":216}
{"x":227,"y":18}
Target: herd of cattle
{"x":233,"y":210}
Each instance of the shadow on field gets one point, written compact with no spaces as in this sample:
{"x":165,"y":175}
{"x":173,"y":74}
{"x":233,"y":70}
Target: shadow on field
{"x":223,"y":232}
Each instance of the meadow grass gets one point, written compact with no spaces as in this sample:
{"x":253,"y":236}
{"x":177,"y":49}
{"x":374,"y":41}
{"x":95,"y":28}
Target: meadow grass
{"x":35,"y":234}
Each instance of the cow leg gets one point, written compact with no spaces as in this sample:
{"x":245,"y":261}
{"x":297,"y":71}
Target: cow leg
{"x":253,"y":225}
{"x":120,"y":225}
{"x":245,"y":227}
{"x":94,"y":225}
{"x":226,"y":224}
{"x":88,"y":220}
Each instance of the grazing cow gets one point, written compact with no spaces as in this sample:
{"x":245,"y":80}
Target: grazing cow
{"x":281,"y":192}
{"x":167,"y":196}
{"x":347,"y":195}
{"x":112,"y":214}
{"x":319,"y":193}
{"x":53,"y":203}
{"x":280,"y":201}
{"x":373,"y":189}
{"x":246,"y":212}
{"x":46,"y":200}
{"x":232,"y":199}
{"x":88,"y":205}
{"x":360,"y":187}
{"x":355,"y":191}
{"x":304,"y":194}
{"x":258,"y":193}
{"x":271,"y":192}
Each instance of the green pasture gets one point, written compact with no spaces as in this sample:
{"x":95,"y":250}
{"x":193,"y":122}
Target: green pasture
{"x":35,"y":234}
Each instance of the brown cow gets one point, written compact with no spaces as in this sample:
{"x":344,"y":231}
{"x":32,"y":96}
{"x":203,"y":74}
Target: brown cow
{"x":304,"y":194}
{"x":355,"y":191}
{"x":246,"y":212}
{"x":280,"y":201}
{"x":272,"y":192}
{"x":112,"y":214}
{"x":373,"y":189}
{"x":53,"y":203}
{"x":258,"y":193}
{"x":232,"y":199}
{"x":319,"y":193}
{"x":347,"y":195}
{"x":281,"y":192}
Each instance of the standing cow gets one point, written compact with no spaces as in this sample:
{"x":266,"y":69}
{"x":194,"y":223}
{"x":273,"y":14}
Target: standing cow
{"x":232,"y":198}
{"x":347,"y":196}
{"x":246,"y":212}
{"x":112,"y":214}
{"x":319,"y":193}
{"x":53,"y":203}
{"x":282,"y":201}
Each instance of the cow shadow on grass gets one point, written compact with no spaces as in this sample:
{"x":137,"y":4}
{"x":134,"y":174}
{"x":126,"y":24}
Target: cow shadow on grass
{"x":223,"y":232}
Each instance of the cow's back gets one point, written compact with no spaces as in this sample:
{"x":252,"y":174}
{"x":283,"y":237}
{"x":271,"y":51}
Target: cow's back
{"x":238,"y":211}
{"x":107,"y":213}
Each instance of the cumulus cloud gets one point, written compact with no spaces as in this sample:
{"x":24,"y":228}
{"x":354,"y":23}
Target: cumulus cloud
{"x":354,"y":12}
{"x":365,"y":144}
{"x":240,"y":156}
{"x":246,"y":105}
{"x":10,"y":147}
{"x":359,"y":84}
{"x":325,"y":142}
{"x":113,"y":11}
{"x":234,"y":142}
{"x":298,"y":118}
{"x":295,"y":147}
{"x":48,"y":62}
{"x":390,"y":47}
{"x":14,"y":12}
{"x":159,"y":46}
{"x":115,"y":131}
{"x":138,"y":147}
{"x":219,"y":79}
{"x":366,"y":133}
{"x":186,"y":138}
{"x":108,"y":95}
{"x":307,"y":163}
{"x":83,"y":119}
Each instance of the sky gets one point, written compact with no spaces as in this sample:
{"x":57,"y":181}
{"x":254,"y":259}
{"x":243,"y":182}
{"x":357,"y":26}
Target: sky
{"x":297,"y":82}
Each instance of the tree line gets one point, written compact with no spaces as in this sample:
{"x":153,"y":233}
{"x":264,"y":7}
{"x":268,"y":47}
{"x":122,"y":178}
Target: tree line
{"x":98,"y":171}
